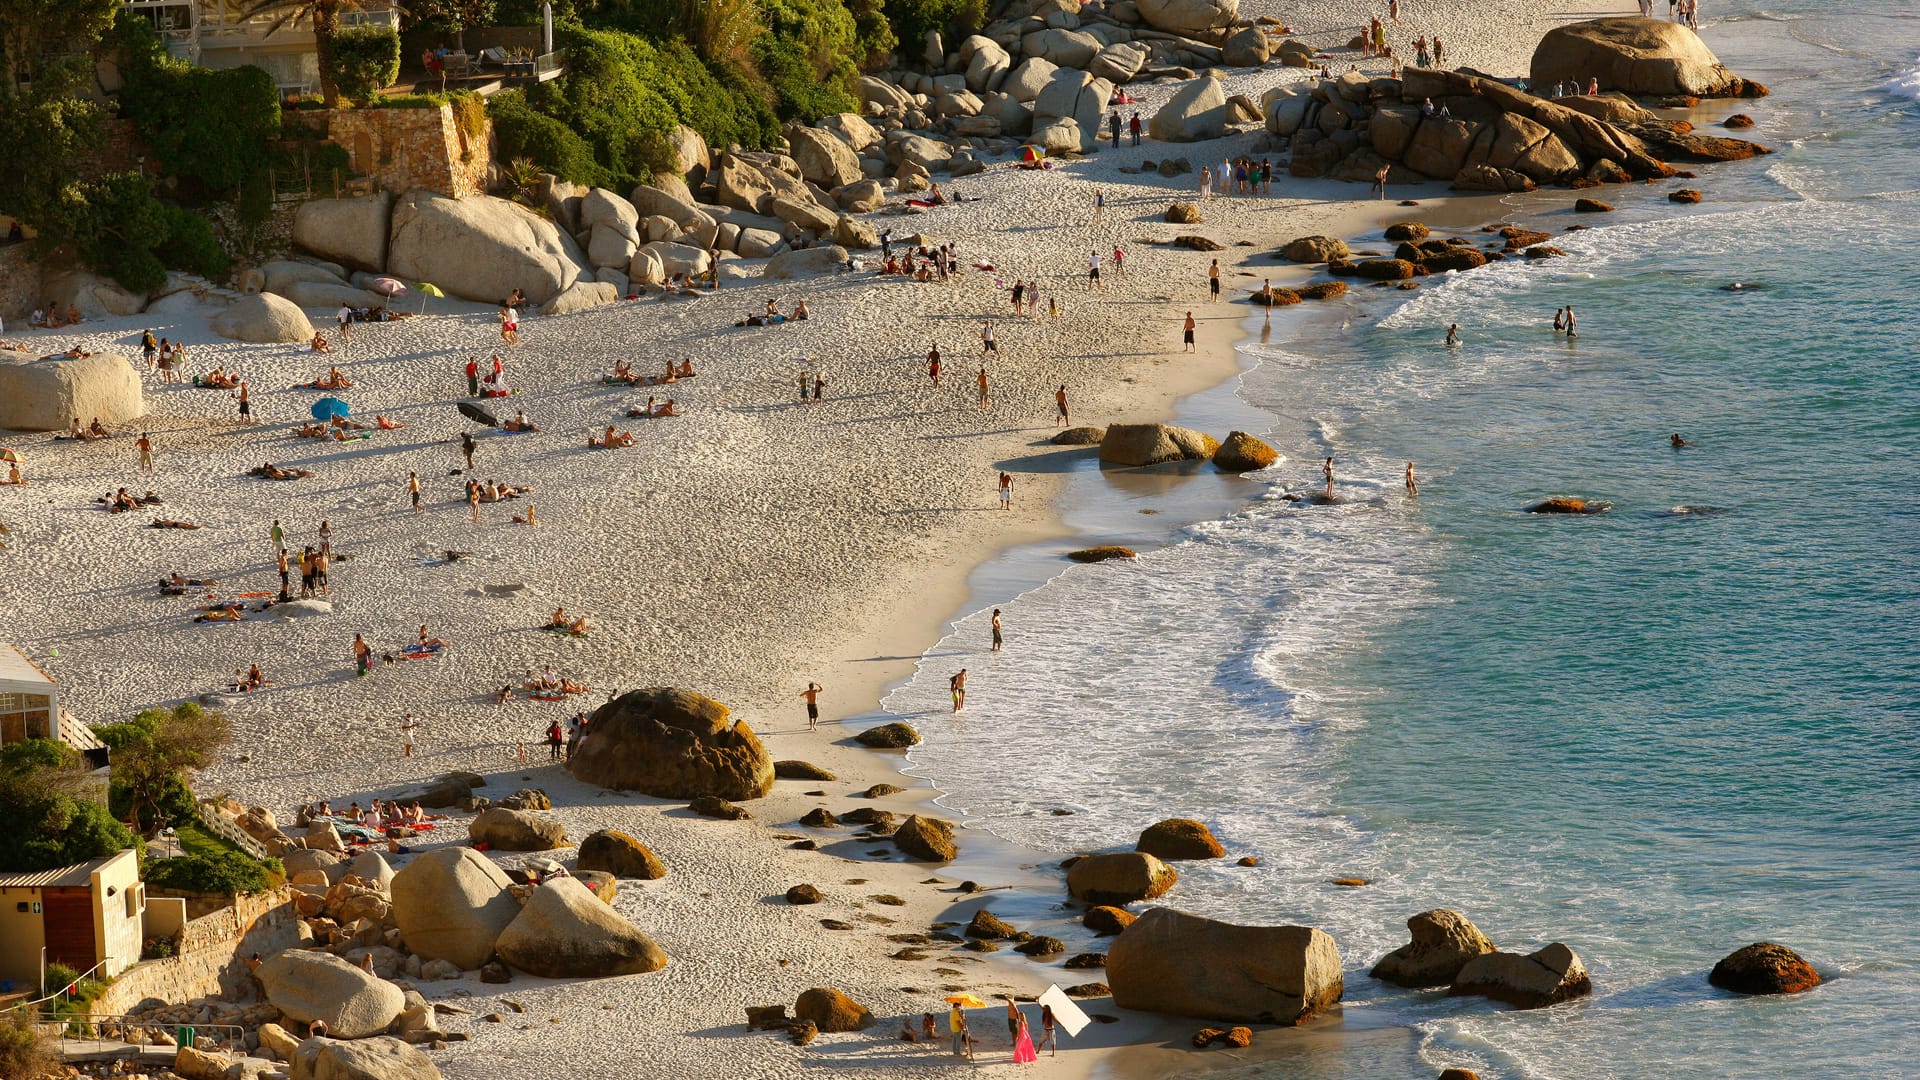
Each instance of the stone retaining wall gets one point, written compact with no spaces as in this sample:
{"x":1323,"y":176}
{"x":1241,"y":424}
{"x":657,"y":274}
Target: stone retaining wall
{"x":211,"y":956}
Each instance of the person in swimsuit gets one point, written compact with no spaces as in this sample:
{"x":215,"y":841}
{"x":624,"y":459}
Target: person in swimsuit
{"x":933,"y":365}
{"x":1326,"y":470}
{"x":957,"y":686}
{"x":1413,"y":485}
{"x":985,"y":400}
{"x":1678,"y":442}
{"x":413,"y":491}
{"x":1453,"y":334}
{"x":812,"y":694}
{"x":1187,"y":333}
{"x":997,"y":640}
{"x":1006,"y":491}
{"x":1060,"y":404}
{"x":1213,"y":280}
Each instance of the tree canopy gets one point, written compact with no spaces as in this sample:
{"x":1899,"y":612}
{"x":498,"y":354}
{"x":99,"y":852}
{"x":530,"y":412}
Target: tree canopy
{"x":50,"y":823}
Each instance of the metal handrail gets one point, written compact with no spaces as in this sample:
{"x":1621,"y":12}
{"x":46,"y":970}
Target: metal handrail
{"x":232,"y":1039}
{"x":57,"y":994}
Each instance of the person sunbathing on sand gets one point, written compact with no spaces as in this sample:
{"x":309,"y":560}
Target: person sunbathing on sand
{"x":95,"y":430}
{"x":800,"y":310}
{"x":311,"y":431}
{"x":168,"y":523}
{"x":686,"y":366}
{"x":77,"y":353}
{"x":430,"y":642}
{"x":14,"y":479}
{"x":519,"y":422}
{"x":333,"y":381}
{"x":176,"y":579}
{"x":611,"y":440}
{"x":503,"y":695}
{"x":385,"y":424}
{"x":320,"y":343}
{"x":622,"y":372}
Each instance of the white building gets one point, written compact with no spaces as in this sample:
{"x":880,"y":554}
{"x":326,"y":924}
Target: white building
{"x":220,"y":34}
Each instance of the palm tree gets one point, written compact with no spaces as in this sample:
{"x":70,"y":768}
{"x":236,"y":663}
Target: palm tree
{"x":325,"y":17}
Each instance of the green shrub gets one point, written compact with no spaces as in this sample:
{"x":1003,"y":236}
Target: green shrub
{"x":406,"y":101}
{"x":209,"y":125}
{"x":366,"y":60}
{"x":24,"y":1050}
{"x":800,"y":93}
{"x":58,"y":977}
{"x":191,"y":246}
{"x":231,"y":872}
{"x":954,"y":18}
{"x":524,"y":133}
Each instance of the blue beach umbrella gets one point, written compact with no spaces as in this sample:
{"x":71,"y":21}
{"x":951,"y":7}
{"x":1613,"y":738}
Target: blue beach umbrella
{"x":329,"y":407}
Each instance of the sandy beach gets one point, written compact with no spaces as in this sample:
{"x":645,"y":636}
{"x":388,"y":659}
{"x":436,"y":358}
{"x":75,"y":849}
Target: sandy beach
{"x":741,"y":549}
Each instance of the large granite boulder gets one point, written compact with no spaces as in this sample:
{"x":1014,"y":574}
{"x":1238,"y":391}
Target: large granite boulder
{"x":565,"y":932}
{"x":690,"y":155}
{"x":1246,"y":47}
{"x":1548,"y":977}
{"x":807,"y":262}
{"x":831,"y":1010}
{"x":1636,"y":56}
{"x":1152,"y":444}
{"x":481,"y":248}
{"x":620,"y":855}
{"x":93,"y":295}
{"x":1198,"y":110}
{"x":1062,"y":48}
{"x":1119,"y":62}
{"x":1314,"y":249}
{"x":662,"y":258}
{"x":1190,"y":18}
{"x":1443,"y":942}
{"x":1241,"y":452}
{"x":824,"y":158}
{"x":451,"y":904}
{"x":1764,"y":968}
{"x":263,"y":319}
{"x":1183,"y":965}
{"x":46,"y":395}
{"x":383,"y":1058}
{"x":1025,"y":82}
{"x":308,"y":985}
{"x":516,"y":830}
{"x":927,"y":839}
{"x":327,"y":296}
{"x":352,"y":232}
{"x":1180,"y":838}
{"x":1120,"y":878}
{"x":694,"y":225}
{"x":987,"y":63}
{"x":852,"y":129}
{"x":673,"y":744}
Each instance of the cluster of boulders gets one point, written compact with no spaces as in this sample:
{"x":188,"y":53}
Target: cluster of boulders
{"x":1156,"y":444}
{"x":1482,"y":134}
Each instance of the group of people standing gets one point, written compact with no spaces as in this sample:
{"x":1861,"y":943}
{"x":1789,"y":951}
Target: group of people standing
{"x":1243,"y":177}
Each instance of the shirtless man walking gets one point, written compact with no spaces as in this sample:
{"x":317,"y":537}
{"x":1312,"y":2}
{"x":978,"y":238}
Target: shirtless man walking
{"x":985,"y":400}
{"x":812,"y":694}
{"x":957,"y":686}
{"x":1060,"y":405}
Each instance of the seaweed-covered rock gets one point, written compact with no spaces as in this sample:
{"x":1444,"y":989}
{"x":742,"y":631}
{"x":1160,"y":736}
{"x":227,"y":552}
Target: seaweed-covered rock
{"x":1102,"y":553}
{"x":832,"y":1011}
{"x":1764,"y":968}
{"x":1240,"y":452}
{"x":1104,"y":919}
{"x":892,"y":736}
{"x":673,"y":744}
{"x":926,"y":839}
{"x":1443,"y":942}
{"x":621,"y":855}
{"x":1180,"y":838}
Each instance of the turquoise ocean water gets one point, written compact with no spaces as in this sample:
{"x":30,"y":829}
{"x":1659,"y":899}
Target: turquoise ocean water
{"x":1656,"y":735}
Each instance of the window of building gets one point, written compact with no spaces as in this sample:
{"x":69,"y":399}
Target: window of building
{"x":25,"y":716}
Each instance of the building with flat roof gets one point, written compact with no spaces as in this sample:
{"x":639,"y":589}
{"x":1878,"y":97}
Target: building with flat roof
{"x":29,"y":699}
{"x":85,"y":915}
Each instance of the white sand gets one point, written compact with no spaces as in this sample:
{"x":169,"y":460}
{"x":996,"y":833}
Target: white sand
{"x":740,"y":550}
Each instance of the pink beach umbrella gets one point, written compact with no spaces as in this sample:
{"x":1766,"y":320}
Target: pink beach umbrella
{"x":390,"y":287}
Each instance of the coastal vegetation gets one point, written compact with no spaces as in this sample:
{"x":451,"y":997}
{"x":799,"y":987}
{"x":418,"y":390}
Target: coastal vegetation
{"x":51,"y":820}
{"x":151,"y":754}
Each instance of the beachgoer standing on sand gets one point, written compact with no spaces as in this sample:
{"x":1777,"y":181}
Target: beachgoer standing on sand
{"x":1393,"y":11}
{"x":509,"y":328}
{"x":1206,"y":183}
{"x":467,"y":448}
{"x":556,"y":739}
{"x":987,"y":344}
{"x":1439,"y":53}
{"x":1326,"y":470}
{"x":933,"y":365}
{"x":345,"y":318}
{"x":812,"y":694}
{"x":819,"y":384}
{"x":1019,"y":294}
{"x":320,"y":566}
{"x":1093,"y":271}
{"x":1213,"y":280}
{"x":1133,"y":126}
{"x":1046,"y":1030}
{"x":407,"y":726}
{"x":145,"y":445}
{"x":306,"y":572}
{"x":1453,"y":335}
{"x":413,"y":491}
{"x":957,"y":1025}
{"x":1006,"y":491}
{"x":997,"y":640}
{"x":985,"y":400}
{"x":362,"y":655}
{"x":1113,"y":125}
{"x":473,"y":376}
{"x":957,"y":686}
{"x":1380,"y":181}
{"x":1187,"y":334}
{"x":1060,"y":405}
{"x":326,"y":537}
{"x":246,"y":402}
{"x":148,"y":348}
{"x":277,"y":535}
{"x":1100,"y":197}
{"x":1413,"y":485}
{"x":473,"y":500}
{"x":285,"y":570}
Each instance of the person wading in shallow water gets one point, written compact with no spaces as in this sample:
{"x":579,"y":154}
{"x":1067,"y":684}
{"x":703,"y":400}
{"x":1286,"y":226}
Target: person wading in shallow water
{"x":998,"y":641}
{"x":957,"y":686}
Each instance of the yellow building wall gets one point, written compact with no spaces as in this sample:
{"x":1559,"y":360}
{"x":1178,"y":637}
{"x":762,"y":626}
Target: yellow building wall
{"x":119,"y":910}
{"x":22,"y":936}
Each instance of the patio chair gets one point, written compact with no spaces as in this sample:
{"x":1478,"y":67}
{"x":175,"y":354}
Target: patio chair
{"x":495,"y":56}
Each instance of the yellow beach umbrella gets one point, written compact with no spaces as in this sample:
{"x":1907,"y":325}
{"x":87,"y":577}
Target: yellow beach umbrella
{"x":965,"y":1001}
{"x":426,"y":289}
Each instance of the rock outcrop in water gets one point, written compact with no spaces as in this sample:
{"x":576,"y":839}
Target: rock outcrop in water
{"x":1764,"y":968}
{"x":1548,"y":977}
{"x":1183,"y":965}
{"x":1443,"y":942}
{"x":1655,"y":57}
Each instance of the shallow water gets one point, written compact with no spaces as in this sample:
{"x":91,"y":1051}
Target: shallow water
{"x":1656,"y":734}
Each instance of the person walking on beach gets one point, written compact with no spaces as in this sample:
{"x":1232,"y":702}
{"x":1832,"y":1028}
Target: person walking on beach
{"x":148,"y":347}
{"x":987,"y":343}
{"x":986,"y":401}
{"x":345,"y":318}
{"x":145,"y":445}
{"x":473,"y":376}
{"x":473,"y":499}
{"x":1113,"y":126}
{"x":1119,"y":262}
{"x":1439,"y":53}
{"x":413,"y":491}
{"x":1006,"y":491}
{"x":285,"y":570}
{"x":407,"y":726}
{"x":1213,"y":280}
{"x":1060,"y":405}
{"x":278,"y":535}
{"x":362,"y":655}
{"x":467,"y":448}
{"x":812,"y":694}
{"x":1019,"y":294}
{"x":1100,"y":197}
{"x":957,"y":686}
{"x":997,"y":639}
{"x":1453,"y":335}
{"x":1046,"y":1030}
{"x":1093,"y":271}
{"x":1133,"y":126}
{"x":933,"y":365}
{"x":819,"y":384}
{"x":1187,"y":333}
{"x":1413,"y":485}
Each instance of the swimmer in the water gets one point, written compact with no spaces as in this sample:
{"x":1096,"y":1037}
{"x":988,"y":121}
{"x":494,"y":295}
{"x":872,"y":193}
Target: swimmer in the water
{"x":1677,"y":441}
{"x":1453,"y":335}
